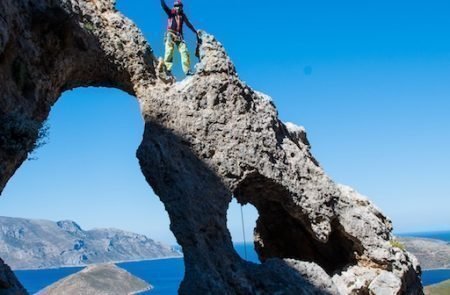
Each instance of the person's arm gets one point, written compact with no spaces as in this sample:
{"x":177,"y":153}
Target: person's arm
{"x":166,"y":8}
{"x":190,"y":26}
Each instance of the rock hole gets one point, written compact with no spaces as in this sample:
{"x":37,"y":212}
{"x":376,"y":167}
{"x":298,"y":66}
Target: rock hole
{"x":279,"y":234}
{"x":245,"y":249}
{"x":88,"y":171}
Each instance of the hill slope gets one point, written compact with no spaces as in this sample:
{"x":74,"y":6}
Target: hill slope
{"x":105,"y":279}
{"x":439,"y":289}
{"x":431,"y":253}
{"x":31,"y":244}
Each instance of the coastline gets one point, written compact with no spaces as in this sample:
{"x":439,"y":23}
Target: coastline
{"x":148,"y":289}
{"x":432,"y":269}
{"x":142,"y":291}
{"x":142,"y":260}
{"x":108,"y":262}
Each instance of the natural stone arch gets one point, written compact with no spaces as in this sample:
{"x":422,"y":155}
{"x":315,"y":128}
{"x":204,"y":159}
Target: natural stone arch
{"x":205,"y":139}
{"x":227,"y":140}
{"x":47,"y":47}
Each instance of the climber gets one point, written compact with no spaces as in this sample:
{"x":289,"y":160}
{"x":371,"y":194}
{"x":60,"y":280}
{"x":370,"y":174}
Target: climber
{"x":174,"y":36}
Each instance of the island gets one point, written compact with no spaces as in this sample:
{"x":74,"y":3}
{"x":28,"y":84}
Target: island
{"x":102,"y":279}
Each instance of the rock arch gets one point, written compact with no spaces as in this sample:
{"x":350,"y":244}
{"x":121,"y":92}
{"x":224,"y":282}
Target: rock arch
{"x":205,"y":139}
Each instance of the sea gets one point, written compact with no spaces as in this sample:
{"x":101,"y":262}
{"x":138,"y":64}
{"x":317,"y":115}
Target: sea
{"x":165,"y":275}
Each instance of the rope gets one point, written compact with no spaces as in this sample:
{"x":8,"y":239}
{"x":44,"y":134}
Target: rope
{"x":230,"y":82}
{"x":243,"y":232}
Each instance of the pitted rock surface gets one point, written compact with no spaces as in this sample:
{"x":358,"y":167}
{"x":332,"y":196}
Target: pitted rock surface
{"x":207,"y":139}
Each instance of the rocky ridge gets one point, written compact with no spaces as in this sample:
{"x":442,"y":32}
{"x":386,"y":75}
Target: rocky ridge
{"x":206,"y":140}
{"x":34,"y":244}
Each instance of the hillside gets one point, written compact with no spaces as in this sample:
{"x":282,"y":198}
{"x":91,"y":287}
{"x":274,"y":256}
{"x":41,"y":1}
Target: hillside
{"x":106,"y":279}
{"x":431,"y":253}
{"x":439,"y":289}
{"x":32,"y":244}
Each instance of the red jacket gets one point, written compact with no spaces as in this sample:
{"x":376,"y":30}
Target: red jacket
{"x":176,"y":21}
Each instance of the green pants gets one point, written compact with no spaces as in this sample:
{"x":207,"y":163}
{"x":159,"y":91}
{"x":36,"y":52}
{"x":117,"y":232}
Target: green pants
{"x":172,"y":40}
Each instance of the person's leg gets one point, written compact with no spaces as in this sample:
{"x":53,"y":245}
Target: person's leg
{"x":168,"y":56}
{"x":185,"y":58}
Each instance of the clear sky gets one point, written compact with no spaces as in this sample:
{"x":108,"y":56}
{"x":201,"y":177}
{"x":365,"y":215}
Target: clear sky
{"x":370,"y":81}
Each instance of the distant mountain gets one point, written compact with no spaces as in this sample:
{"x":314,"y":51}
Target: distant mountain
{"x":431,"y":253}
{"x":104,"y":279}
{"x":34,"y":244}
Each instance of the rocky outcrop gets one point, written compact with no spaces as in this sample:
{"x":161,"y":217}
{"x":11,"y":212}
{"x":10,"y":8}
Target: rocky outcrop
{"x":34,"y":244}
{"x":102,"y":279}
{"x":207,"y":139}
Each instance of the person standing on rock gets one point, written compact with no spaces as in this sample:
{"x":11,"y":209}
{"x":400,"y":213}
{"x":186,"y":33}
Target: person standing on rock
{"x":174,"y":37}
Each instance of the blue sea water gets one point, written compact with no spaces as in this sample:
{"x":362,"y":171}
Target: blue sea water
{"x":166,"y":274}
{"x":36,"y":280}
{"x":431,"y":277}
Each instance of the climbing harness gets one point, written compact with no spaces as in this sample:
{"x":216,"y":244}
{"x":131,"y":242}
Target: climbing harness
{"x":173,"y":36}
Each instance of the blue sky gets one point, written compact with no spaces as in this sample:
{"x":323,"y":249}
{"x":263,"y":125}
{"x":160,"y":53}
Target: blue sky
{"x":369,"y":81}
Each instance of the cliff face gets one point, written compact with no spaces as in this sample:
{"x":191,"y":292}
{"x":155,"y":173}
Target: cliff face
{"x":207,"y":138}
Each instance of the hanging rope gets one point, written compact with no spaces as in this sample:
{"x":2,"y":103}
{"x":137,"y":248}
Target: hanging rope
{"x":230,"y":83}
{"x":243,"y":232}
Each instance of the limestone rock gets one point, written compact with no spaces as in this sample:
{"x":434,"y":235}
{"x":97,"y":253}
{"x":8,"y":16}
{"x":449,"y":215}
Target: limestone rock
{"x":314,"y":275}
{"x":386,"y":284}
{"x":355,"y":280}
{"x":207,"y":139}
